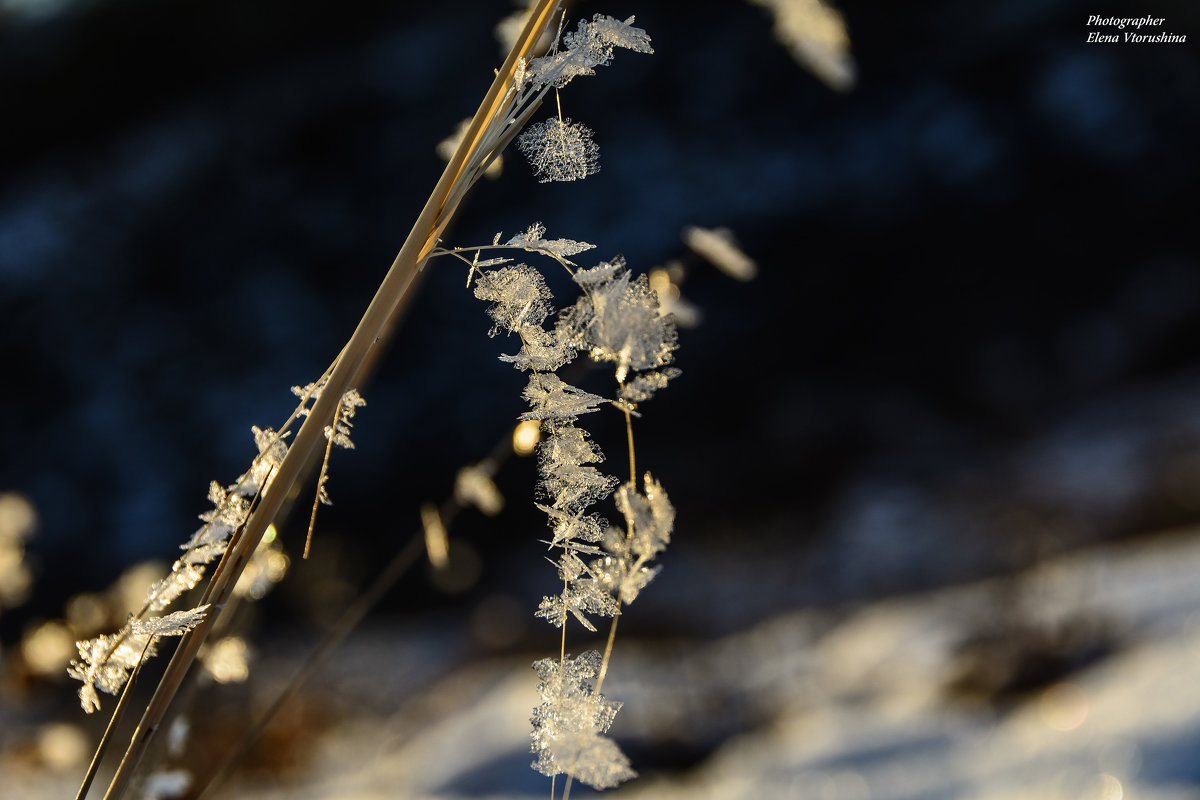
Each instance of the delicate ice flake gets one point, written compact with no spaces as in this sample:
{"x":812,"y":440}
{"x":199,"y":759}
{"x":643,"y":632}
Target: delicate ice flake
{"x":650,"y":517}
{"x":594,"y":760}
{"x":552,"y":399}
{"x":519,"y":296}
{"x":520,"y":304}
{"x":643,"y":386}
{"x":105,"y":663}
{"x":204,"y":553}
{"x":271,"y":450}
{"x":618,"y":321}
{"x":555,"y":248}
{"x":560,"y":150}
{"x":271,"y":447}
{"x":620,"y":579}
{"x":572,"y":526}
{"x":572,"y":488}
{"x":583,"y":594}
{"x":343,"y":424}
{"x":185,"y":574}
{"x":589,"y":46}
{"x":569,"y":723}
{"x":175,"y":624}
{"x":570,"y":485}
{"x":541,"y":351}
{"x":307,"y":393}
{"x":227,"y":515}
{"x":604,"y":271}
{"x":613,"y":32}
{"x":559,"y":68}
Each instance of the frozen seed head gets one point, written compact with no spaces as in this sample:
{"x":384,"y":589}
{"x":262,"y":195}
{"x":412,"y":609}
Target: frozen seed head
{"x":560,"y":150}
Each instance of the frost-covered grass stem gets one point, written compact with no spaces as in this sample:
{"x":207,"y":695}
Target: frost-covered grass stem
{"x":490,"y":128}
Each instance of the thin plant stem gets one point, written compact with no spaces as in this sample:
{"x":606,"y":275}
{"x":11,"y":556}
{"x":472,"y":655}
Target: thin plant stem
{"x":321,"y":478}
{"x":98,"y":756}
{"x":629,"y":443}
{"x":608,"y":648}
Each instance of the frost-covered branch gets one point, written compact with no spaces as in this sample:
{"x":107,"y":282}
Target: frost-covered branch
{"x":616,"y":319}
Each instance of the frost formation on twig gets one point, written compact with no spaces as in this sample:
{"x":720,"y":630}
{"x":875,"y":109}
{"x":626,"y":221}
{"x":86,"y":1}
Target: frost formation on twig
{"x":106,"y":662}
{"x":559,"y":149}
{"x":616,"y":320}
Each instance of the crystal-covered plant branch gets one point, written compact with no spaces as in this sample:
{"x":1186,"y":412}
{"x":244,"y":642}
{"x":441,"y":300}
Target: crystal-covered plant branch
{"x":615,"y":320}
{"x":106,"y":661}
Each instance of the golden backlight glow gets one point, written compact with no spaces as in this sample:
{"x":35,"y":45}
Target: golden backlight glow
{"x":526,"y":436}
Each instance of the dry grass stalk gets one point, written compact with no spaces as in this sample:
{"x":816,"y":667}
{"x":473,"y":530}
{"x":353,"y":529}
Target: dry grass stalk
{"x":488,"y":133}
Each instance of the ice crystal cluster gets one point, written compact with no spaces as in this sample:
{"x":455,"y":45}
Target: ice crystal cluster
{"x":569,"y":723}
{"x":106,"y":662}
{"x":615,"y":321}
{"x":559,"y":149}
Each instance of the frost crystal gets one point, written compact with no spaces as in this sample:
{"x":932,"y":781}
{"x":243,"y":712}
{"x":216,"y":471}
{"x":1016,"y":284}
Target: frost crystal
{"x":611,"y":32}
{"x":541,"y":351}
{"x":185,"y":574}
{"x":604,"y":271}
{"x":520,"y":304}
{"x":552,"y":399}
{"x":555,"y":248}
{"x":343,"y":424}
{"x":174,"y":624}
{"x":569,"y":723}
{"x":570,"y":485}
{"x":650,"y":517}
{"x":106,"y":662}
{"x":642,"y":387}
{"x":519,"y":295}
{"x":571,"y":526}
{"x":580,"y":597}
{"x":560,"y":150}
{"x":617,"y":320}
{"x":589,"y":46}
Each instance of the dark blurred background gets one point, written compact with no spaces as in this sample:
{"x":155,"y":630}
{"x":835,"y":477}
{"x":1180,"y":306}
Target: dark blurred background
{"x":973,"y":341}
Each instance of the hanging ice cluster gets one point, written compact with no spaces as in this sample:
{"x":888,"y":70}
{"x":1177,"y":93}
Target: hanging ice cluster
{"x":569,"y":723}
{"x":615,"y":320}
{"x":559,"y":149}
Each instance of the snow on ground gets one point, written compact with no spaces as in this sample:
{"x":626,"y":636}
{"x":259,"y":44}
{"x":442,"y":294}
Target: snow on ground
{"x":1074,"y":681}
{"x":870,"y":706}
